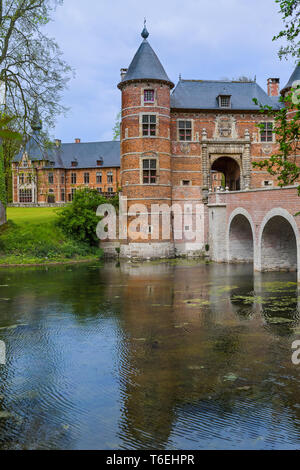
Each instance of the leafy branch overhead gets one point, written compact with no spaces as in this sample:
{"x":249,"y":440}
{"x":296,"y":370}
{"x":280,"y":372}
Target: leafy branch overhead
{"x":31,"y":64}
{"x":283,"y":163}
{"x":291,"y":19}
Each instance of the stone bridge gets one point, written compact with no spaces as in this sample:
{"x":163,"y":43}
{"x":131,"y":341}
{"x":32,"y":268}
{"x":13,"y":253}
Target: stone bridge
{"x":258,"y":226}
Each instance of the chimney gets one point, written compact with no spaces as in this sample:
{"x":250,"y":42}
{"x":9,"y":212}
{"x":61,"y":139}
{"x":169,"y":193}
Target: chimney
{"x":273,"y":86}
{"x":57,"y":142}
{"x":123,"y":73}
{"x":77,"y":141}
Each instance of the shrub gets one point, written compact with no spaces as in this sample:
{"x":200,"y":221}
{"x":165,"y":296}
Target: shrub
{"x":79,"y":220}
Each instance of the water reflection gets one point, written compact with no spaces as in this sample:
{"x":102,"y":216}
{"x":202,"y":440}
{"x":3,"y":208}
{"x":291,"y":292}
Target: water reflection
{"x":182,"y":355}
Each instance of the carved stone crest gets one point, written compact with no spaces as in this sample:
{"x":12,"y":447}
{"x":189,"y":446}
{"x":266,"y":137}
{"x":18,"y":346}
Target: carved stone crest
{"x":267,"y":149}
{"x":185,"y":148}
{"x":225,"y":127}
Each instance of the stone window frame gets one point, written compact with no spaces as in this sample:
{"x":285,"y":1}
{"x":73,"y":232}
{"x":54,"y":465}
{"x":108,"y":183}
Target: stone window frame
{"x":141,"y":125}
{"x":25,"y":196}
{"x":99,"y":177}
{"x":62,"y":194}
{"x":220,"y":101}
{"x":21,"y":178}
{"x":148,"y":103}
{"x":110,"y":177}
{"x":177,"y":129}
{"x":149,"y":156}
{"x":86,"y":177}
{"x":50,"y":177}
{"x":73,"y":178}
{"x":273,"y":135}
{"x":269,"y":184}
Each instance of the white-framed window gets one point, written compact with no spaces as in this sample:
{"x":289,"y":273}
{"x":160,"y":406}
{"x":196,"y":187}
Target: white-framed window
{"x":186,"y":183}
{"x":25,"y":195}
{"x":184,"y":130}
{"x":149,"y":95}
{"x":149,"y":170}
{"x":266,"y":132}
{"x":224,"y":101}
{"x":110,"y":177}
{"x":149,"y":125}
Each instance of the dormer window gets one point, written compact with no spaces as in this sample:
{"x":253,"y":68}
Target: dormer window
{"x":148,"y":96}
{"x":224,"y":101}
{"x":100,"y":162}
{"x":74,"y":163}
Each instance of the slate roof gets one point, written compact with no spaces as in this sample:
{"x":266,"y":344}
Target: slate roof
{"x":146,"y":65}
{"x":86,"y":154}
{"x":295,"y":76}
{"x":203,"y":94}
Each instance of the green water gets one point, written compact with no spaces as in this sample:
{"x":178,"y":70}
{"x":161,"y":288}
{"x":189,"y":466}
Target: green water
{"x":162,"y":355}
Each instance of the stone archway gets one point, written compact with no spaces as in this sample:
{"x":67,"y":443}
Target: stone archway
{"x":240,"y":242}
{"x":230,"y":169}
{"x":278,"y":242}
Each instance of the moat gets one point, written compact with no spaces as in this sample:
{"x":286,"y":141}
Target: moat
{"x":158,"y":355}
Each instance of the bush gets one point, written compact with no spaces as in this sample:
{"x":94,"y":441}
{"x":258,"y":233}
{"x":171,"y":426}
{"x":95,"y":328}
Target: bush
{"x":79,"y":220}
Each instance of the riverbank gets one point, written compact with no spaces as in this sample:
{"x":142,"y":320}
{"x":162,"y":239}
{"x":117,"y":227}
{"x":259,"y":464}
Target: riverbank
{"x":31,"y":237}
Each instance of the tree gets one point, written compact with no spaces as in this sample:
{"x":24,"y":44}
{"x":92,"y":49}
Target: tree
{"x":291,"y":19}
{"x":283,"y":163}
{"x":7,"y":137}
{"x":31,"y":65}
{"x":117,"y":128}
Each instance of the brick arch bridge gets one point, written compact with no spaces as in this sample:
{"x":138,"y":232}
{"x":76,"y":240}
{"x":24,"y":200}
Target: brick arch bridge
{"x":258,"y":226}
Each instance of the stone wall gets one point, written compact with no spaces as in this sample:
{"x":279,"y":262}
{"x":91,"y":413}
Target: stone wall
{"x":257,"y":224}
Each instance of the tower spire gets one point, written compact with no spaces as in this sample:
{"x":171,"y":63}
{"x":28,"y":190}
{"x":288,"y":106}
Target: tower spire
{"x":145,"y":33}
{"x":36,"y":123}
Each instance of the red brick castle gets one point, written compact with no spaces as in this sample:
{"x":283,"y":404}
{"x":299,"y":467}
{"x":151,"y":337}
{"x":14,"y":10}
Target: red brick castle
{"x":176,"y":145}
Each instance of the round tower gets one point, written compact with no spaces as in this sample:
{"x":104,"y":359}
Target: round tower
{"x":146,"y":153}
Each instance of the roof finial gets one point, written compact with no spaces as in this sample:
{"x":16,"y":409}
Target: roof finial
{"x":145,"y":33}
{"x":36,"y":123}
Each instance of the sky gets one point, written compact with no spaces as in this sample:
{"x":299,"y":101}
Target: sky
{"x":199,"y":39}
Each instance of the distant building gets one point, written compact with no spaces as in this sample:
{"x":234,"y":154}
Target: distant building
{"x":51,"y":176}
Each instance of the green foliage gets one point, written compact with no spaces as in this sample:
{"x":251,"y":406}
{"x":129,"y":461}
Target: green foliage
{"x":32,"y":68}
{"x":287,"y":131}
{"x":291,"y":18}
{"x":32,"y":236}
{"x":79,"y":220}
{"x":117,"y":128}
{"x":3,"y":197}
{"x":6,"y":135}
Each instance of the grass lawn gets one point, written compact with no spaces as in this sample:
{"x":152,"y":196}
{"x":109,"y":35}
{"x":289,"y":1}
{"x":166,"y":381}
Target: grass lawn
{"x":31,"y":215}
{"x":31,"y":236}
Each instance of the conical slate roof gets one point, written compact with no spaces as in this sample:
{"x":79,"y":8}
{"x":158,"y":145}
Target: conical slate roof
{"x":146,"y":65}
{"x":295,"y":76}
{"x":36,"y":123}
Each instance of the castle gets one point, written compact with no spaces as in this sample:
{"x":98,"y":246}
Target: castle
{"x":177,"y":143}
